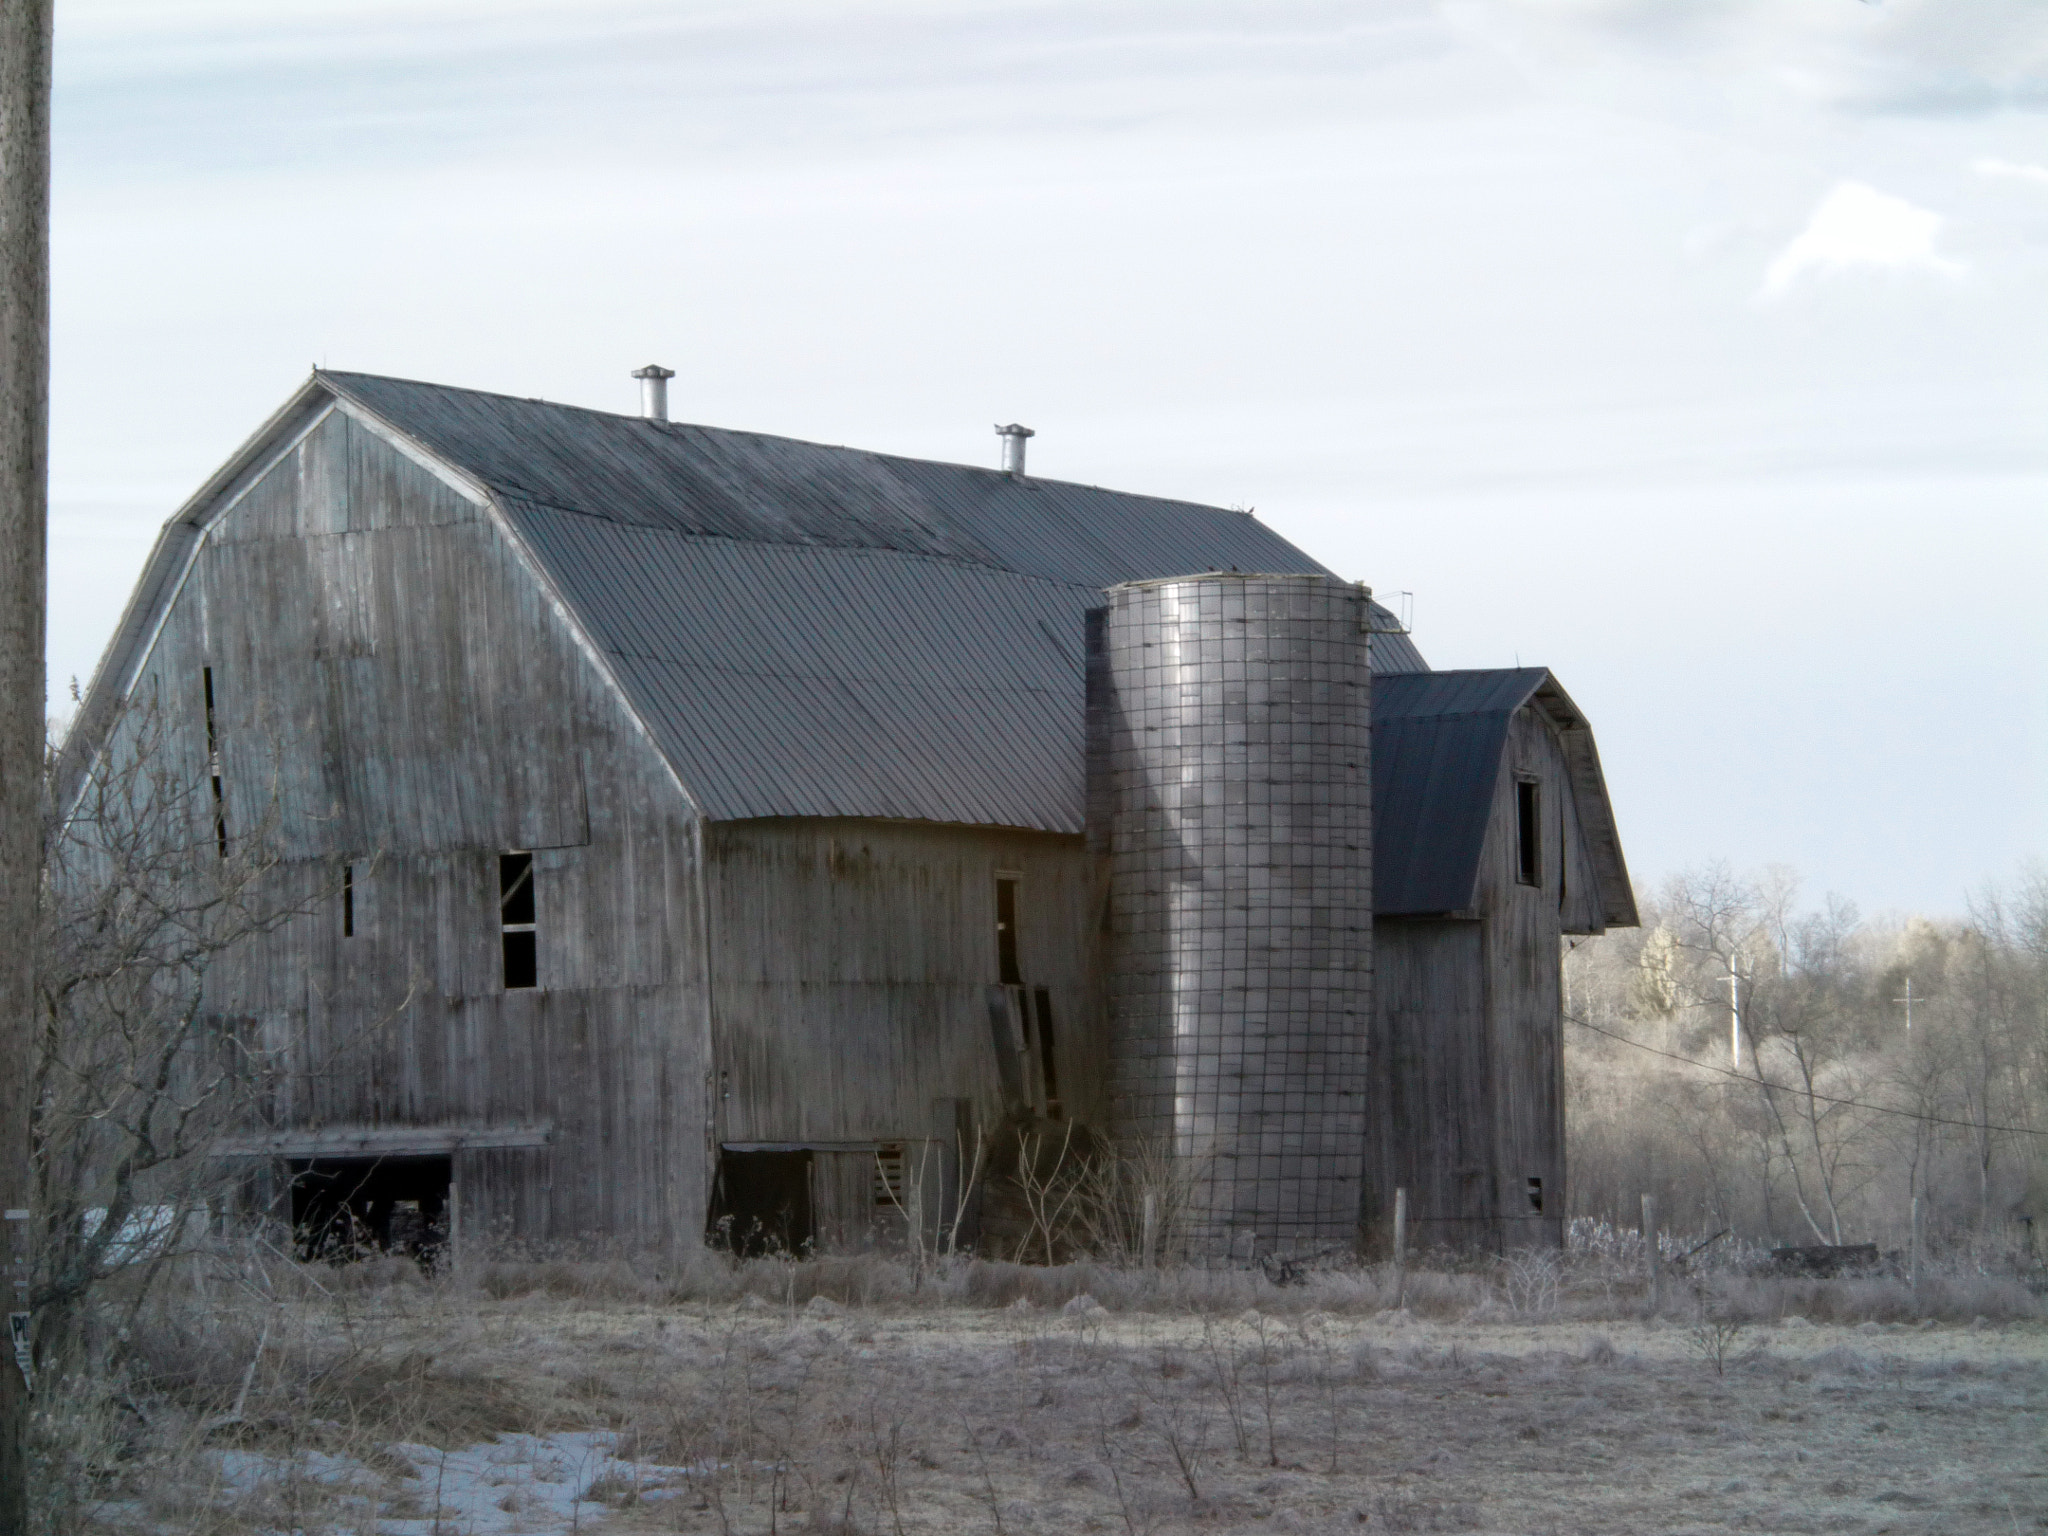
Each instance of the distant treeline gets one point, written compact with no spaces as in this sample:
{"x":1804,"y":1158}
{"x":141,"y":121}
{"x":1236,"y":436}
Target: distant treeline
{"x":1794,"y":1103}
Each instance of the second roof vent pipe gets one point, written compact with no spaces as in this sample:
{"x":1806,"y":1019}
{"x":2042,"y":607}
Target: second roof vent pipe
{"x":1013,"y":448}
{"x":654,"y":390}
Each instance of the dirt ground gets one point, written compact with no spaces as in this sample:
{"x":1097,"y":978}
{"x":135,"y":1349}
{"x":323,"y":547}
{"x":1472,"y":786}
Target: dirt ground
{"x":749,"y":1418}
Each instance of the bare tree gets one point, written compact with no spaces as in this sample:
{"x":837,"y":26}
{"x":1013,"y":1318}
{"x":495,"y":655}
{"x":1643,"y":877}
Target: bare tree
{"x":137,"y":1069}
{"x":1835,"y":1109}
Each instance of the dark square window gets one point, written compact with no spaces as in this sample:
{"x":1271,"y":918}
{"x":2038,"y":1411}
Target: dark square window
{"x":516,"y":920}
{"x":522,"y":962}
{"x":1529,"y":831}
{"x":1008,"y":971}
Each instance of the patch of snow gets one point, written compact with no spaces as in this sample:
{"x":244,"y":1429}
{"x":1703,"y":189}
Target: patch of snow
{"x":521,"y":1485}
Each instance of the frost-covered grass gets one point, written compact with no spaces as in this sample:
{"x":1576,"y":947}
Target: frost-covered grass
{"x":855,"y":1395}
{"x":1584,"y":1284}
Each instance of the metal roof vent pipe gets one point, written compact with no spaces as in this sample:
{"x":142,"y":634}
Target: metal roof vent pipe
{"x":654,"y":390}
{"x":1013,"y":448}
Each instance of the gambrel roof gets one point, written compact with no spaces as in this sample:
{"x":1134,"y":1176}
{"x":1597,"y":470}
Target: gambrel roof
{"x":804,"y":630}
{"x":1438,"y":744}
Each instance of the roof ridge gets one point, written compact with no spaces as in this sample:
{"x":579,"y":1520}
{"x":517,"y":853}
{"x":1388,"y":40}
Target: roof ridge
{"x":1471,"y":671}
{"x":777,"y":437}
{"x":732,"y":541}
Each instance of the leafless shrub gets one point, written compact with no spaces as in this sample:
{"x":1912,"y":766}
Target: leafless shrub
{"x":134,"y":1079}
{"x":136,"y":1073}
{"x":1531,"y":1281}
{"x":1139,"y":1517}
{"x":932,"y":1215}
{"x":1712,"y":1339}
{"x":1181,"y":1426}
{"x":1133,"y":1194}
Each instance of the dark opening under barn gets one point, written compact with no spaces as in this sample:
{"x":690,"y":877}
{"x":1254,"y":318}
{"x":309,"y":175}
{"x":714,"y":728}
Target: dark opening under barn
{"x":344,"y":1207}
{"x":763,"y":1202}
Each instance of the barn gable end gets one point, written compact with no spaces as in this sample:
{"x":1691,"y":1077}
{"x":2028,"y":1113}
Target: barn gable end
{"x":394,"y":685}
{"x":1496,"y":840}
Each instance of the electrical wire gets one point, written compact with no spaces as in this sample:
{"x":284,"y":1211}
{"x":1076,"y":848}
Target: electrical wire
{"x":1825,"y":1098}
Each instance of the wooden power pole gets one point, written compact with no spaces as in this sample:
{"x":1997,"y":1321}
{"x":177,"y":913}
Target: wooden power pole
{"x":24,"y":519}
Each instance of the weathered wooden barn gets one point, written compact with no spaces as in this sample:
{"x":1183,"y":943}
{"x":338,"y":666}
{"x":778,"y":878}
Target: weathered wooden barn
{"x":693,"y":825}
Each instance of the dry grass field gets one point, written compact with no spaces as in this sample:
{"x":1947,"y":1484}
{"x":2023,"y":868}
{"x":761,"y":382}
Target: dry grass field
{"x":834,"y":1397}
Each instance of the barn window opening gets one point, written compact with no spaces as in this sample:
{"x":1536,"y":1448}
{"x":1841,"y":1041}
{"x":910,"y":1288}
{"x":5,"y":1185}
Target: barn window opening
{"x":516,"y":919}
{"x":1008,"y":972}
{"x":1529,"y":831}
{"x":220,"y":809}
{"x":1535,"y":1194}
{"x":1046,"y":1059}
{"x":348,"y":901}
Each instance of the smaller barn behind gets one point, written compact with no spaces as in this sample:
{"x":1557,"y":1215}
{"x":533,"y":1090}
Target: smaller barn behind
{"x":1507,"y":844}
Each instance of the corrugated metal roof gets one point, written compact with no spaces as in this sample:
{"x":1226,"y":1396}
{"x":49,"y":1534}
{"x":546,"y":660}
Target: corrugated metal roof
{"x":1437,"y":740}
{"x":789,"y":680}
{"x":814,"y":631}
{"x":776,"y":490}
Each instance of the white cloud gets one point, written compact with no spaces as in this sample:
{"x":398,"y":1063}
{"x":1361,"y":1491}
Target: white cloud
{"x":1912,"y":57}
{"x":2008,"y":170}
{"x":1857,"y":226}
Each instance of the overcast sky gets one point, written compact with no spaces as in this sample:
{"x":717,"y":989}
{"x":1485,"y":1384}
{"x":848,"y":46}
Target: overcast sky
{"x":1692,"y":348}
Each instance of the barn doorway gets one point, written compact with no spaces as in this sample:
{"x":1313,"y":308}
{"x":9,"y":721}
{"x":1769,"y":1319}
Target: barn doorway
{"x":763,"y":1203}
{"x":352,"y":1207}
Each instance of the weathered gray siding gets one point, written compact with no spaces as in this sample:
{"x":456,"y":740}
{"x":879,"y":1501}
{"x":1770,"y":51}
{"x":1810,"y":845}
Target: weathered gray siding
{"x":390,"y":674}
{"x":851,"y":963}
{"x":1520,"y":941}
{"x":1432,"y":1131}
{"x":1470,"y":1104}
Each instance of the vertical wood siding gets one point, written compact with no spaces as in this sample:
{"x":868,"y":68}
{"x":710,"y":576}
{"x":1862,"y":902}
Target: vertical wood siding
{"x":390,"y":672}
{"x":851,"y":965}
{"x":1521,"y":936}
{"x":1469,"y":1098}
{"x":1433,"y":1131}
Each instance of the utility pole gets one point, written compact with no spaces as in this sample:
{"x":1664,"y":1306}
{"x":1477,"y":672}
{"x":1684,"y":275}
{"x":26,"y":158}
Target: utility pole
{"x":1908,"y":1001}
{"x":1734,"y":1013}
{"x":24,"y":520}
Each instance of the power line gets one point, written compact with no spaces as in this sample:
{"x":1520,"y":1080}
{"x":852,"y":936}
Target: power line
{"x":1825,"y":1098}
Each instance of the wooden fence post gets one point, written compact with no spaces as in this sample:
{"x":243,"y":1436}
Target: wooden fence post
{"x":1400,"y":1248}
{"x":1653,"y":1259}
{"x":1913,"y":1251}
{"x":1150,"y":1236}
